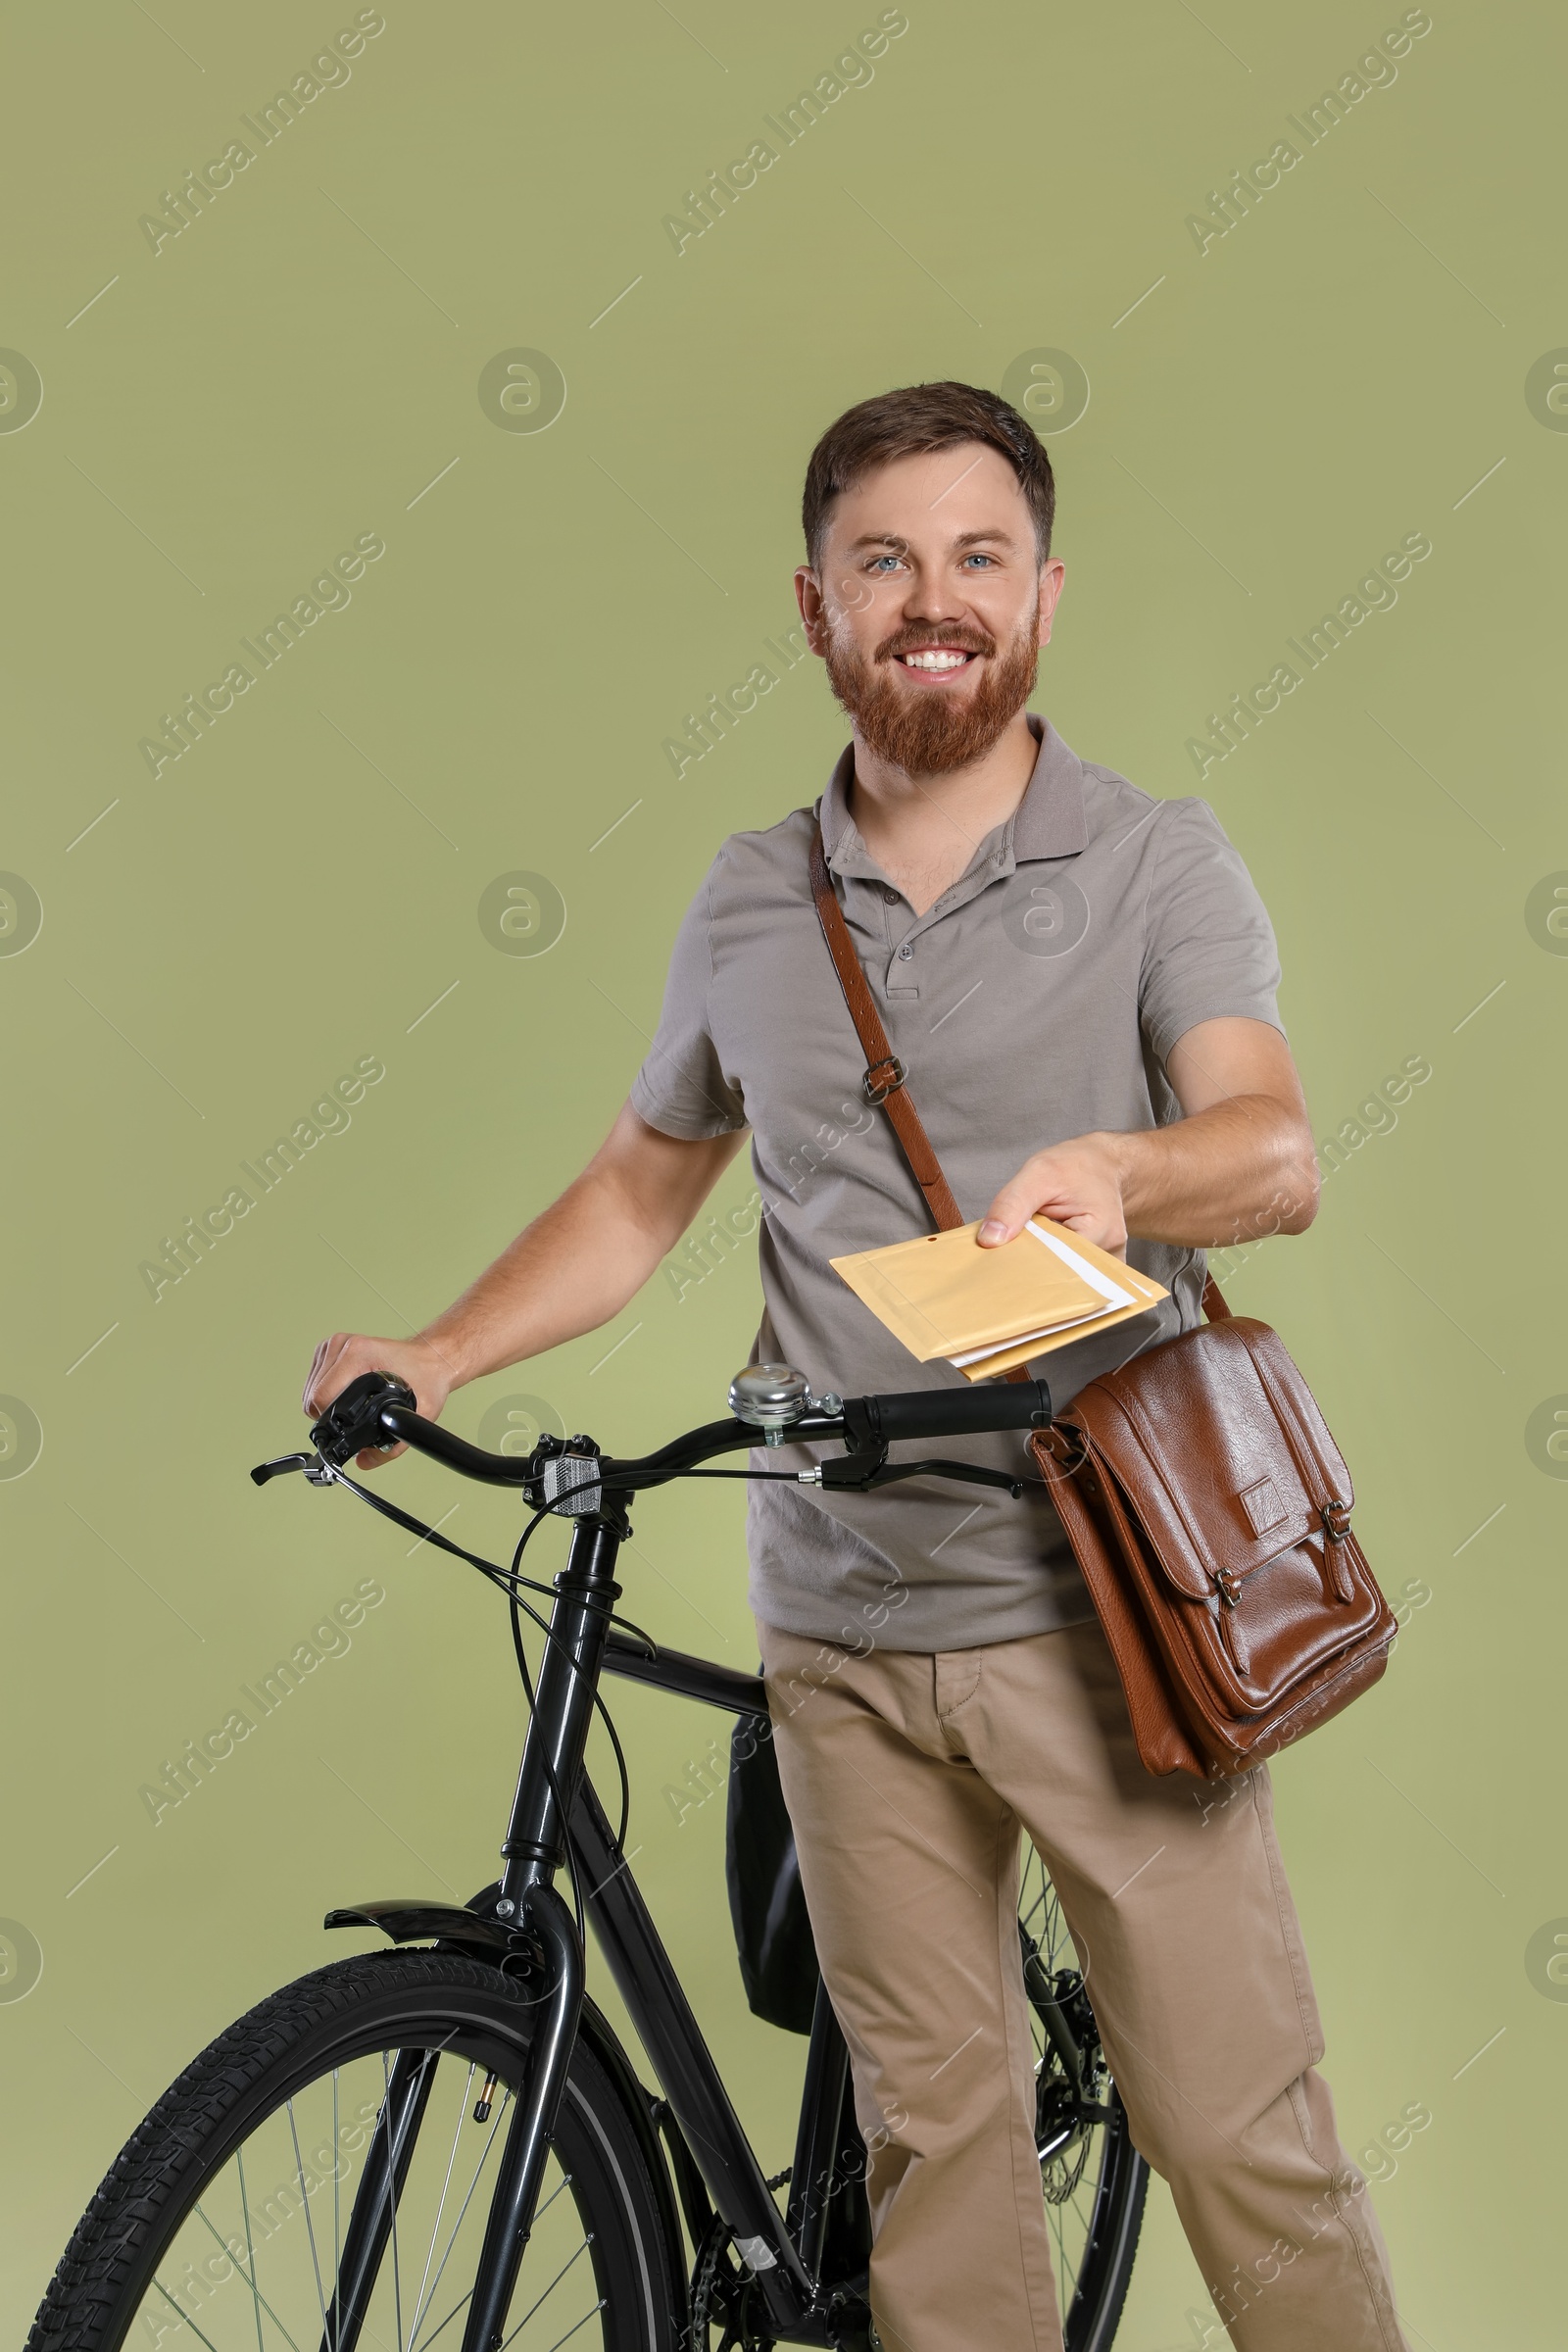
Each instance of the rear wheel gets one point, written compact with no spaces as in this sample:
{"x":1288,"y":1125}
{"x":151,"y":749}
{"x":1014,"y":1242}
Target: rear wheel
{"x":231,"y":2219}
{"x":1094,"y":2181}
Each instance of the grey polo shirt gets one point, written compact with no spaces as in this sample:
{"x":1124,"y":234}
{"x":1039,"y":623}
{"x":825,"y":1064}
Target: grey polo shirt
{"x":1039,"y":999}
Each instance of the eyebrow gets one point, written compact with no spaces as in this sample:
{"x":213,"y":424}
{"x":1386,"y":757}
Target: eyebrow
{"x":892,"y":539}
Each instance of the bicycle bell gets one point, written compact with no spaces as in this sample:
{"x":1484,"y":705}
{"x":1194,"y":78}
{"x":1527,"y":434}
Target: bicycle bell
{"x":771,"y":1397}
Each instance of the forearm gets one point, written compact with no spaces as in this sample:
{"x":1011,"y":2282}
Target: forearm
{"x":1237,"y":1166}
{"x":1243,"y":1168}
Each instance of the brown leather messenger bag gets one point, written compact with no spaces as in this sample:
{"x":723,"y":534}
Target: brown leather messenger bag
{"x":1204,"y":1497}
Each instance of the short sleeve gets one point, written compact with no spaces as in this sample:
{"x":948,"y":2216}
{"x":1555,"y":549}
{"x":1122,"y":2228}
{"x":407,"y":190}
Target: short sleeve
{"x":681,"y":1088}
{"x":1209,"y":948}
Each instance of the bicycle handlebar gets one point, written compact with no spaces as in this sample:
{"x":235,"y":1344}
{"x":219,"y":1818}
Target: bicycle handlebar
{"x":376,"y":1409}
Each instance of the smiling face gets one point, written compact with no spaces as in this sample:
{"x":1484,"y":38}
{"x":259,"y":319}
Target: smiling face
{"x":929,"y":605}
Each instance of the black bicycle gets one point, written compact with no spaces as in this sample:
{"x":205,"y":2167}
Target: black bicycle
{"x":445,"y":2142}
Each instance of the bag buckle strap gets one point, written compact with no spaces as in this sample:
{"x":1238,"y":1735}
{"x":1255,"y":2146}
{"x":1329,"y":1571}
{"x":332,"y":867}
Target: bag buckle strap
{"x":1066,"y":1443}
{"x":1336,"y":1528}
{"x":883,"y":1078}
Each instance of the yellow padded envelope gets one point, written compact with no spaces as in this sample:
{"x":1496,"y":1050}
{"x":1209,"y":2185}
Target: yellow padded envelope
{"x":985,"y":1310}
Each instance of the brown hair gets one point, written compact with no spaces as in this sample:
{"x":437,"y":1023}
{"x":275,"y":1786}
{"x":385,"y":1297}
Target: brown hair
{"x":910,"y":422}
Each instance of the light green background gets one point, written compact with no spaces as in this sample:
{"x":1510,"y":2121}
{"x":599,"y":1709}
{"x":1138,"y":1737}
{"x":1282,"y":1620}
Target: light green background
{"x":297,"y":891}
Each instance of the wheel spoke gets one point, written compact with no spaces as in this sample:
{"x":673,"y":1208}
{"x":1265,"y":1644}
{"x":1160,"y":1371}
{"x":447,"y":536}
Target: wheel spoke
{"x":461,"y":2305}
{"x":582,"y":2322}
{"x":1054,"y":2215}
{"x":185,"y":2318}
{"x":458,"y":2224}
{"x":305,"y":2200}
{"x":261,"y":2304}
{"x":549,"y":2291}
{"x":250,"y":2249}
{"x":435,"y":2227}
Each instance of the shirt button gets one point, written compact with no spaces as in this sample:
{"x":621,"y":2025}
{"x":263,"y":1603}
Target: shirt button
{"x":905,"y":952}
{"x":891,"y":897}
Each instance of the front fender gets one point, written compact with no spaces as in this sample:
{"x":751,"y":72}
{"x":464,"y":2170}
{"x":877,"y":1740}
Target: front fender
{"x":409,"y":1920}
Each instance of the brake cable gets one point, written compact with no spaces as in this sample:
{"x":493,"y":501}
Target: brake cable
{"x":509,"y":1581}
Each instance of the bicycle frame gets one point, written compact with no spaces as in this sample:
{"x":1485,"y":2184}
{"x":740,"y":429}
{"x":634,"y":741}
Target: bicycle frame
{"x":556,"y":1809}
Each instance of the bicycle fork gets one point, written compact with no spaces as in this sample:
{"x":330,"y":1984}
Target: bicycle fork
{"x":371,"y":2222}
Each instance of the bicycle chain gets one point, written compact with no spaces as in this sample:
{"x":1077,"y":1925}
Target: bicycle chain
{"x":739,"y":2335}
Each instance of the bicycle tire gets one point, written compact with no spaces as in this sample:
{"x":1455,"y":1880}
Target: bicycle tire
{"x":1107,"y":2271}
{"x":340,"y":2019}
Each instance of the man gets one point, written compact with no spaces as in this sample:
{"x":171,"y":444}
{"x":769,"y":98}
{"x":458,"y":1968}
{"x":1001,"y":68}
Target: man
{"x":1081,"y":980}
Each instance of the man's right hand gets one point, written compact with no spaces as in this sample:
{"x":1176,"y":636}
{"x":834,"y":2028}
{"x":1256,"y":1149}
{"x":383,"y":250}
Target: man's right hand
{"x":346,"y":1354}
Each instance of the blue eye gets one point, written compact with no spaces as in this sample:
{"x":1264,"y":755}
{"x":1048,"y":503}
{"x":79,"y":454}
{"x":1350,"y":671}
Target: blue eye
{"x":977,"y":558}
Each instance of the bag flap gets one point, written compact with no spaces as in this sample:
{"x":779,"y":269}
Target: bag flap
{"x":1218,"y":1448}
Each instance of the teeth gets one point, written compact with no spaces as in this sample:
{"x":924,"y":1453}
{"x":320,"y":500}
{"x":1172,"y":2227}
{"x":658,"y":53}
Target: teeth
{"x":935,"y":658}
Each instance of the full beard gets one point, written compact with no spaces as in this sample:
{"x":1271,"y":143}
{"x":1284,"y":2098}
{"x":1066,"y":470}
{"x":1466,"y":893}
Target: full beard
{"x":928,"y":733}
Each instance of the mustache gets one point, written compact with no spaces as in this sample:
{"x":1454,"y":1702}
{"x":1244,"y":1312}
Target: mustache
{"x":912,"y":639}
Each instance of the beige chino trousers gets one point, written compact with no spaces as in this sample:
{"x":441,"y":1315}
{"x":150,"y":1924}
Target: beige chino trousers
{"x":908,"y":1779}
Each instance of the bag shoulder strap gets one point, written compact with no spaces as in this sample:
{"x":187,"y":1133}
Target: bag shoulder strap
{"x":885,"y":1075}
{"x":885,"y":1080}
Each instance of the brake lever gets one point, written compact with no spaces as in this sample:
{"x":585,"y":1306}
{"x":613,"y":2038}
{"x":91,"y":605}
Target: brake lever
{"x":858,"y":1475}
{"x":281,"y":1464}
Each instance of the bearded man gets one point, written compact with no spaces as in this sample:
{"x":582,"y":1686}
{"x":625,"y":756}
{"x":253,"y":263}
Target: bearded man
{"x":1081,"y":981}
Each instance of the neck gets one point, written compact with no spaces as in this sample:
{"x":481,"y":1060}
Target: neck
{"x":924,"y":830}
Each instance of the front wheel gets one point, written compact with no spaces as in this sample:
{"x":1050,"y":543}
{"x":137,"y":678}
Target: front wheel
{"x":250,"y":2213}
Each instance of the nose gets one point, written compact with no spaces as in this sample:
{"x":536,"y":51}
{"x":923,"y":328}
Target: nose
{"x":930,"y":599}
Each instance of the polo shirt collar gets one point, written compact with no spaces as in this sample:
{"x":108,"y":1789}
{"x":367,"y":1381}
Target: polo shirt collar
{"x":1049,"y":821}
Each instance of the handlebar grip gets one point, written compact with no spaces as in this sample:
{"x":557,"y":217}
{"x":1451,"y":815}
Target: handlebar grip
{"x":948,"y":1412}
{"x":352,"y":1422}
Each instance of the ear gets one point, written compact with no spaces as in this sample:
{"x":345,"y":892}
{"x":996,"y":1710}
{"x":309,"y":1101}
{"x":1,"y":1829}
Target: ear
{"x":1051,"y":575}
{"x":809,"y":595}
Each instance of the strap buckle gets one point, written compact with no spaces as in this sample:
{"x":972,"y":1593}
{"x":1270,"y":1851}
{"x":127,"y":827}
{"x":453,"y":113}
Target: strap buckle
{"x":883,"y":1078}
